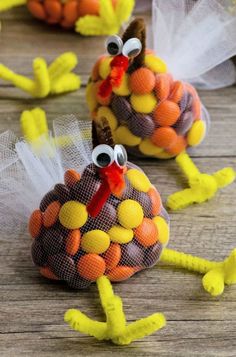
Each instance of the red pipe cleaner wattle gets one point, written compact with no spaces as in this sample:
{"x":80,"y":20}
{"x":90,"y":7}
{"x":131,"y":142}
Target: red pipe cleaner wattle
{"x":119,"y":66}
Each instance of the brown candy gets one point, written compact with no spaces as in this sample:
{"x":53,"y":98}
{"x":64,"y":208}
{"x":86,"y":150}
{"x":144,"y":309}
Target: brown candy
{"x":52,"y":241}
{"x":121,"y":109}
{"x":104,"y":221}
{"x":47,"y":199}
{"x":63,"y":193}
{"x":141,"y":125}
{"x":184,"y":123}
{"x":132,"y":255}
{"x":63,"y":266}
{"x":152,"y":254}
{"x":77,"y":282}
{"x":144,"y":201}
{"x":38,"y":256}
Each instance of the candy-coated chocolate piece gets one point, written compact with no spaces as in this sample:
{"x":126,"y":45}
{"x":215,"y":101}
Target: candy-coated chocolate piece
{"x":95,"y":241}
{"x":164,"y":137}
{"x":104,"y":67}
{"x":71,"y":177}
{"x":162,"y":86}
{"x":63,"y":266}
{"x":142,"y":81}
{"x":196,"y":133}
{"x":52,"y":241}
{"x":51,"y":213}
{"x":47,"y":199}
{"x":46,"y":272}
{"x":132,"y":255}
{"x":155,"y":64}
{"x":141,"y":125}
{"x":121,"y":273}
{"x":177,"y":91}
{"x":112,"y":256}
{"x":152,"y":255}
{"x":178,"y":146}
{"x":147,"y":233}
{"x":104,"y":112}
{"x":166,"y":113}
{"x":123,"y":89}
{"x":121,"y":108}
{"x":38,"y":256}
{"x":124,"y":136}
{"x":104,"y":221}
{"x":120,"y":234}
{"x":155,"y":199}
{"x":73,"y":215}
{"x":130,"y":214}
{"x":144,"y":201}
{"x":62,"y":192}
{"x":163,"y":229}
{"x":184,"y":123}
{"x":84,"y":190}
{"x":35,"y":223}
{"x":91,"y":266}
{"x":143,"y":103}
{"x":77,"y":282}
{"x":148,"y":148}
{"x":138,"y":180}
{"x":73,"y":242}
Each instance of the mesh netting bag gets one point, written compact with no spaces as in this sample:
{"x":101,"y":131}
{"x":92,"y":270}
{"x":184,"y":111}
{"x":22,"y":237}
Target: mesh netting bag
{"x":150,"y":100}
{"x":91,"y":213}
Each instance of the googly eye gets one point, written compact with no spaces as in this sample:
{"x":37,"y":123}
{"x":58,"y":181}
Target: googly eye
{"x":103,"y":155}
{"x":114,"y":45}
{"x":132,"y":47}
{"x":120,"y":155}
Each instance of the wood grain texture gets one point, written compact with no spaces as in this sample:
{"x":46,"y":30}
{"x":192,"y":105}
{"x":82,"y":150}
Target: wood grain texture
{"x":31,"y":308}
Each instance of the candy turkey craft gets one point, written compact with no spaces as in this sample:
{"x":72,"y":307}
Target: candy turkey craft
{"x":88,"y":17}
{"x":150,"y":112}
{"x":99,"y":219}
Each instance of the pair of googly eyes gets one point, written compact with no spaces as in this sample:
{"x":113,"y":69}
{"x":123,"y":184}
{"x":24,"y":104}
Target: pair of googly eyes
{"x":104,"y":155}
{"x":130,"y":48}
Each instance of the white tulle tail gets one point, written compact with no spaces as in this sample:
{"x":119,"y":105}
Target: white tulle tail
{"x":197,"y":40}
{"x":27,"y":173}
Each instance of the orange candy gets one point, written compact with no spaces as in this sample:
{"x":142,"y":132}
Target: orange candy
{"x":177,"y":92}
{"x":70,"y":13}
{"x":35,"y":223}
{"x":47,"y":273}
{"x":73,"y":242}
{"x":196,"y":101}
{"x":121,"y":273}
{"x":155,"y":200}
{"x":71,"y":177}
{"x":179,"y":146}
{"x":54,"y":10}
{"x":142,"y":81}
{"x":112,"y":256}
{"x":164,"y":137}
{"x":146,"y":233}
{"x":162,"y":87}
{"x":51,"y":213}
{"x":167,"y":113}
{"x":91,"y":266}
{"x":37,"y":10}
{"x":88,"y":7}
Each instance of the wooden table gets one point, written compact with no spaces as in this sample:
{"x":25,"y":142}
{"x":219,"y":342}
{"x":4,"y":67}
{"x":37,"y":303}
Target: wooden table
{"x":32,"y":308}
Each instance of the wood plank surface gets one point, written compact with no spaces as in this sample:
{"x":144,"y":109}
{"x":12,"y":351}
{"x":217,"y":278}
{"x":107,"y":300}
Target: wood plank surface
{"x":31,"y":308}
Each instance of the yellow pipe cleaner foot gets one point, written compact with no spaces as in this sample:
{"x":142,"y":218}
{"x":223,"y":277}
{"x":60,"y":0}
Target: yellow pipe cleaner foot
{"x":109,"y":20}
{"x":115,"y":327}
{"x":54,"y":79}
{"x":216,"y":274}
{"x":8,"y":4}
{"x":202,"y":186}
{"x":34,"y":124}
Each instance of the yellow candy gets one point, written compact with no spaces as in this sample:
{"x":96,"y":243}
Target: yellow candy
{"x":148,"y":148}
{"x":130,"y":214}
{"x":124,"y":136}
{"x":105,"y":68}
{"x":123,"y":89}
{"x":120,"y":234}
{"x":155,"y":64}
{"x":91,"y":96}
{"x":95,"y":241}
{"x":196,"y":133}
{"x":163,"y":229}
{"x":105,"y":112}
{"x":143,"y":103}
{"x":139,"y":180}
{"x":73,"y":215}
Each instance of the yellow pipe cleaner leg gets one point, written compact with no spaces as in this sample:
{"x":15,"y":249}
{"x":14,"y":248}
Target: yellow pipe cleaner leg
{"x":202,"y":186}
{"x":216,"y":274}
{"x":8,"y":4}
{"x":55,"y":79}
{"x":33,"y":124}
{"x":115,"y":328}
